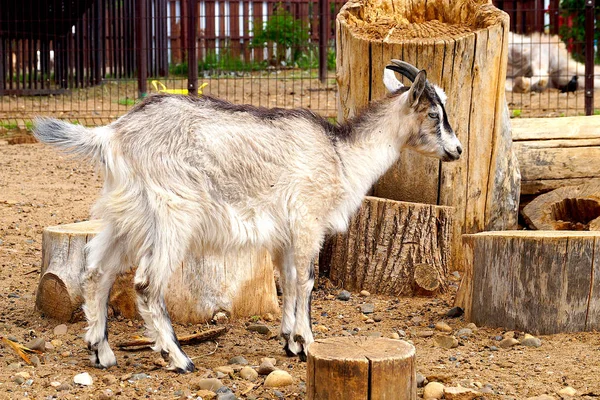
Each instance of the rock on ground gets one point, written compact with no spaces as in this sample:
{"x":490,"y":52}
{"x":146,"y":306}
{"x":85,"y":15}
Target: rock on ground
{"x":433,"y":390}
{"x":278,"y":378}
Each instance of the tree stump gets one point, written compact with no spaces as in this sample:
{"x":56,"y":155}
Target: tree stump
{"x":557,"y":152}
{"x":542,"y":282}
{"x":463,"y":46}
{"x":390,"y":248}
{"x":361,"y":368}
{"x":241,"y":284}
{"x":568,"y":208}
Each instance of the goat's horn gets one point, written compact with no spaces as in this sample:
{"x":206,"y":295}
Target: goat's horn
{"x":404,"y":68}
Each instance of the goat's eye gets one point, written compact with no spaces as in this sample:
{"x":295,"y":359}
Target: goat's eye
{"x":433,"y":116}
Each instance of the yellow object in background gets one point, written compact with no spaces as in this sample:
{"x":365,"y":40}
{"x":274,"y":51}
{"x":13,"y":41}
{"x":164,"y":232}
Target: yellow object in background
{"x":163,"y":88}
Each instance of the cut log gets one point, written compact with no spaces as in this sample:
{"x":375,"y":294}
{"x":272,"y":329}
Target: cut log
{"x":385,"y":243}
{"x":574,"y":208}
{"x":463,"y":47}
{"x":542,"y":282}
{"x":361,"y":368}
{"x":427,"y":280}
{"x":557,"y":152}
{"x":242,"y":285}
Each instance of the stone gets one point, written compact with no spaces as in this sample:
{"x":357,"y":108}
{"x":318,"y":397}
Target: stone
{"x":344,"y":295}
{"x":421,"y":380}
{"x":56,"y":343}
{"x":225,"y":369}
{"x":239,"y":360}
{"x":83,"y":379}
{"x":508,"y":342}
{"x":266,"y":368}
{"x":226,"y":396}
{"x":321,"y":329}
{"x":19,"y":380}
{"x":60,"y":329}
{"x":367,"y":308}
{"x":364,"y":293}
{"x":260,"y":328}
{"x":433,"y":391}
{"x":567,"y":391}
{"x":542,"y":397}
{"x":446,"y":342}
{"x":369,"y":321}
{"x":109,"y":379}
{"x":223,"y":389}
{"x":25,"y":375}
{"x":55,"y":384}
{"x":249,"y":374}
{"x":455,"y":312}
{"x":443,"y":327}
{"x":278,"y":378}
{"x":395,"y":335}
{"x":268,"y":317}
{"x":63,"y":387}
{"x":460,"y":393}
{"x":211,"y":384}
{"x":36,"y":344}
{"x":105,"y":395}
{"x":531,"y":341}
{"x":273,"y":361}
{"x":220,"y":318}
{"x":472,"y":326}
{"x":139,"y":376}
{"x":425,"y":334}
{"x":221,"y":375}
{"x":35,"y":360}
{"x":206,"y":394}
{"x":464,"y":332}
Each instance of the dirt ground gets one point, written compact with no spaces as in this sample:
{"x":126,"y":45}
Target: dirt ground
{"x":39,"y":188}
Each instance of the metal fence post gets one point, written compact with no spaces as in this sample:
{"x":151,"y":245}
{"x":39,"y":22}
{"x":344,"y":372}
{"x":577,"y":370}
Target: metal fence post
{"x":192,"y":47}
{"x":324,"y":21}
{"x":141,"y":48}
{"x":589,"y":57}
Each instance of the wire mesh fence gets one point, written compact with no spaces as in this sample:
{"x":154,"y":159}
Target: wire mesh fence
{"x":84,"y":60}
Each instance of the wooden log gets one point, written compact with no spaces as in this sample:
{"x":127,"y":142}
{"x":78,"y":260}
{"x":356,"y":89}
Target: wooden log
{"x":542,"y":282}
{"x":463,"y":46}
{"x":385,"y":243}
{"x":361,"y":368}
{"x":241,"y":284}
{"x":556,"y":152}
{"x":567,"y":208}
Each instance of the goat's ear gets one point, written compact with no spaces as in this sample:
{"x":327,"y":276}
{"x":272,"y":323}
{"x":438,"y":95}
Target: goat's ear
{"x":417,"y":88}
{"x":390,"y":81}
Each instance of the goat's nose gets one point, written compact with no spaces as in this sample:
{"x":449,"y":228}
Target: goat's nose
{"x":459,"y":150}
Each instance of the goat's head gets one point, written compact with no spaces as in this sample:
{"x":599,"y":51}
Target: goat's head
{"x":430,"y":132}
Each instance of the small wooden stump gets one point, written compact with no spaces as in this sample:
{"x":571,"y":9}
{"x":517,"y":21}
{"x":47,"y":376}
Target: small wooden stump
{"x":240,"y":284}
{"x":361,"y":368}
{"x":386,"y":242}
{"x":542,"y":282}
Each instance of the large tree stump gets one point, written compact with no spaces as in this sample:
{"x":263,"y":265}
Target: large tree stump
{"x":240,"y":284}
{"x":557,"y":152}
{"x":574,"y":208}
{"x":541,"y":282}
{"x":463,"y":46}
{"x":392,"y":247}
{"x":361,"y":368}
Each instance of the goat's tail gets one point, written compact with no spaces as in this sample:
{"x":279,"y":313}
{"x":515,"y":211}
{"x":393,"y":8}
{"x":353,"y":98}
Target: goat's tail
{"x":90,"y":143}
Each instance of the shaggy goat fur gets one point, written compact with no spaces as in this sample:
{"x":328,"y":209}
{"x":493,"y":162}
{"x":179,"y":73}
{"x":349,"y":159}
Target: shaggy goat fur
{"x":190,"y":175}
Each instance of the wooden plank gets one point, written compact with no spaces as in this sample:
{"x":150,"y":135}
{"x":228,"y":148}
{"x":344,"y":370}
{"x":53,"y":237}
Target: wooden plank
{"x":558,"y":163}
{"x":545,"y":185}
{"x":556,"y":128}
{"x":592,"y":322}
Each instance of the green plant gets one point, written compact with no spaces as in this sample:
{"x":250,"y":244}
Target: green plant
{"x":596,"y":112}
{"x":516,"y":113}
{"x":126,"y":101}
{"x":287,"y":32}
{"x":574,"y":13}
{"x":10,"y":125}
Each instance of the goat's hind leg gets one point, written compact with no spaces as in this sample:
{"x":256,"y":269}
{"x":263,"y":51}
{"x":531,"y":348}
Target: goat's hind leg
{"x":105,"y":262}
{"x":284,"y":260}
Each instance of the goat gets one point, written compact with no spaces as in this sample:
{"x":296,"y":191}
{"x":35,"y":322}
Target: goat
{"x":185,"y":175}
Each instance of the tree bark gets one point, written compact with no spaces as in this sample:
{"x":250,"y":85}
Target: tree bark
{"x":241,"y":284}
{"x":568,"y":208}
{"x":557,"y":152}
{"x":361,"y":368}
{"x":463,"y":47}
{"x":542,"y":282}
{"x":385,"y":243}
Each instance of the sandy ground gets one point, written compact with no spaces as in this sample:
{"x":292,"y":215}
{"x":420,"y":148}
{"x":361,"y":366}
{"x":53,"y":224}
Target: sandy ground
{"x":39,"y":187}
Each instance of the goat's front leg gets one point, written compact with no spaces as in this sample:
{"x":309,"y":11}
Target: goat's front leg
{"x":284,"y":260}
{"x":305,"y":280}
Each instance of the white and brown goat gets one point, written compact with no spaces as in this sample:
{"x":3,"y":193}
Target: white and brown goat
{"x":186,"y":174}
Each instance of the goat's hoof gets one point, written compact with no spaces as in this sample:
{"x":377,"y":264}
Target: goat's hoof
{"x":102,"y":356}
{"x":288,"y":352}
{"x":189,"y":367}
{"x":302,"y":356}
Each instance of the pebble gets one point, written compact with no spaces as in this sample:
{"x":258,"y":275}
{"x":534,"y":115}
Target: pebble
{"x":446,"y":342}
{"x":220,"y":318}
{"x":140,"y":376}
{"x":542,"y":397}
{"x":374,"y":334}
{"x":221,"y":375}
{"x":55,"y":384}
{"x":416,"y":321}
{"x":401,"y":333}
{"x":443,"y":327}
{"x":260,"y":328}
{"x":29,"y":382}
{"x":226,"y":369}
{"x":455,"y":312}
{"x":321,"y":329}
{"x":105,"y":395}
{"x":268,"y":317}
{"x":394,"y":335}
{"x":36,"y":344}
{"x":344,"y":295}
{"x":63,"y":386}
{"x":493,"y":348}
{"x":464,"y":332}
{"x":266,"y":368}
{"x":223,"y":389}
{"x":508,"y":342}
{"x":369,"y":321}
{"x":226,"y":396}
{"x":35,"y":360}
{"x":56,"y":343}
{"x":377,"y":318}
{"x":83,"y":379}
{"x":278,"y":394}
{"x":60,"y":329}
{"x":421,"y":380}
{"x":278,"y":378}
{"x":239,"y":360}
{"x":531,"y":341}
{"x":364,"y":293}
{"x":425,"y":334}
{"x":15,"y":365}
{"x":472,"y":326}
{"x":109,"y":379}
{"x":249,"y":374}
{"x":567,"y":391}
{"x":269,"y":359}
{"x":460,"y":393}
{"x":433,"y":390}
{"x":66,"y":354}
{"x":23,"y":374}
{"x":211,"y":384}
{"x":18,"y":380}
{"x":205,"y":394}
{"x":49,"y":346}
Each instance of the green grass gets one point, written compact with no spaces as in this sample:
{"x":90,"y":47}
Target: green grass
{"x":126,"y":101}
{"x":516,"y":113}
{"x":9,"y":125}
{"x":596,"y":112}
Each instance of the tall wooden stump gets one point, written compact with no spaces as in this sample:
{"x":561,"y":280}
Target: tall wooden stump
{"x":541,"y":282}
{"x":241,"y":284}
{"x":361,"y":368}
{"x":463,"y":46}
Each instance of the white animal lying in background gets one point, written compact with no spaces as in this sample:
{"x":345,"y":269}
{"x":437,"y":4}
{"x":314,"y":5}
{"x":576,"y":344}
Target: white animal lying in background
{"x":541,"y":61}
